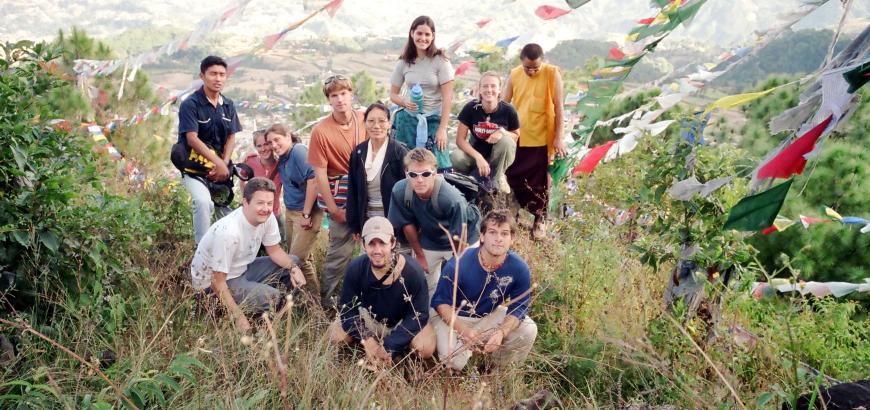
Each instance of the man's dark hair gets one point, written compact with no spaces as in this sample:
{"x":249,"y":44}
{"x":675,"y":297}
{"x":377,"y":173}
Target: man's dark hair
{"x":498,"y":217}
{"x":257,"y":184}
{"x":210,"y":61}
{"x":531,"y":52}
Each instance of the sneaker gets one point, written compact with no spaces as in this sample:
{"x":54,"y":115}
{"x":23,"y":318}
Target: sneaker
{"x":503,"y":185}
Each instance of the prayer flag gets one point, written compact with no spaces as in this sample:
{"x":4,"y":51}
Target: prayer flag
{"x":857,"y":76}
{"x":756,"y":212}
{"x":576,"y":3}
{"x":483,"y":22}
{"x":791,"y":161}
{"x":591,"y":160}
{"x":464,"y":67}
{"x":550,"y":12}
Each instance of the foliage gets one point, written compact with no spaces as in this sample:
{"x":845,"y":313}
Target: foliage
{"x":839,"y":178}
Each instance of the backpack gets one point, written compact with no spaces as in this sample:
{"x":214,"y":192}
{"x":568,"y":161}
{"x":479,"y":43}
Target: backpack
{"x":467,"y":186}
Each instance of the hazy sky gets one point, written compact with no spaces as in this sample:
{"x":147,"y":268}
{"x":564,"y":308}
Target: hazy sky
{"x":721,"y":22}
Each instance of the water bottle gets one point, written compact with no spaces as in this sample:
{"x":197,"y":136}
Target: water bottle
{"x":422,"y":126}
{"x":417,"y":97}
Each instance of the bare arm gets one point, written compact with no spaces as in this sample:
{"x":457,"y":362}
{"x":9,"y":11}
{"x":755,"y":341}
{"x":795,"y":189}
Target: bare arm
{"x":310,"y":196}
{"x":397,"y":98}
{"x":410,"y":231}
{"x":277,"y":255}
{"x":322,"y":182}
{"x":558,"y":141}
{"x":229,"y":147}
{"x":508,"y":91}
{"x":446,"y":103}
{"x":220,"y":288}
{"x":463,"y":144}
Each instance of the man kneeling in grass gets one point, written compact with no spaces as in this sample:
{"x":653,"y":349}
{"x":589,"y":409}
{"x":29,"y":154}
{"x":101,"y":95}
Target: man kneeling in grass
{"x":489,"y":312}
{"x":384,"y":301}
{"x":226,"y":262}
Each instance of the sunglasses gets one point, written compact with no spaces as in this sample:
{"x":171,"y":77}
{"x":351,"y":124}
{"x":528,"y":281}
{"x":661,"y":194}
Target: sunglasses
{"x":333,"y":78}
{"x":424,"y":174}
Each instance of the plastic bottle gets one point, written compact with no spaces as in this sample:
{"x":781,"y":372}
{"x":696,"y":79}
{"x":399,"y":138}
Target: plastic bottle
{"x":417,"y":97}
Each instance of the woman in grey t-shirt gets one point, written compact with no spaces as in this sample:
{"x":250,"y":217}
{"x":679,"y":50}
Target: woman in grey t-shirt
{"x":425,"y":64}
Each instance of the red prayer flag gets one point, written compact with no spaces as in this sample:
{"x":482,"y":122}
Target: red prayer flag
{"x":591,"y":160}
{"x":615,"y":54}
{"x":550,"y":12}
{"x":646,"y":21}
{"x":270,"y":41}
{"x":464,"y":67}
{"x":332,"y":7}
{"x":791,"y":161}
{"x":769,"y":230}
{"x":483,"y":22}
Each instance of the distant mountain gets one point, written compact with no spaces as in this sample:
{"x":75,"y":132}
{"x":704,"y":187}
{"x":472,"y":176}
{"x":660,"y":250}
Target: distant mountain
{"x":719,"y":22}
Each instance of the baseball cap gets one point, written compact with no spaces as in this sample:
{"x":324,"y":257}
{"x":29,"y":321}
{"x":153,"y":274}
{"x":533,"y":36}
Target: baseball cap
{"x":377,"y":227}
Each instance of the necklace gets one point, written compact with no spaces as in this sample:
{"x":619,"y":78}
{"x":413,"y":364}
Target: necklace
{"x":487,"y":266}
{"x":340,"y":123}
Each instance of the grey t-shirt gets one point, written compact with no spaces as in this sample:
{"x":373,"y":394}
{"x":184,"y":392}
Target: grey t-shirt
{"x":430,"y":73}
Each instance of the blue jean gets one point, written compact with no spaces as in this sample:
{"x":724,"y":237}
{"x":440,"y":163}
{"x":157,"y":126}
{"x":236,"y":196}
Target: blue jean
{"x":203,"y":207}
{"x":254,"y":290}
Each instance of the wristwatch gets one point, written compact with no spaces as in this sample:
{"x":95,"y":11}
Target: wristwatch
{"x":306,"y":216}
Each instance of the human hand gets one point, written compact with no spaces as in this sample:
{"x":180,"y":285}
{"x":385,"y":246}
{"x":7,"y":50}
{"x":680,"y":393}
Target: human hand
{"x":441,"y":138}
{"x":421,"y":259}
{"x":496,"y":136}
{"x":296,"y":277}
{"x":242,"y":324}
{"x":306,"y":224}
{"x":482,"y":166}
{"x":375,"y":352}
{"x":470,"y":338}
{"x":494,"y":342}
{"x":340,"y":216}
{"x":410,"y":106}
{"x":357,"y":237}
{"x":220,"y":172}
{"x":559,"y":147}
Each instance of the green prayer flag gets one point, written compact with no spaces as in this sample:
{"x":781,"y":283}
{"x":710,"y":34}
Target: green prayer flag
{"x":857,"y":77}
{"x":756,"y":212}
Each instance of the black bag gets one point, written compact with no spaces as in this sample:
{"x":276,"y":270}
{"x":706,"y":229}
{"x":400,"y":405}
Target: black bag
{"x":190,"y":162}
{"x":467,"y":186}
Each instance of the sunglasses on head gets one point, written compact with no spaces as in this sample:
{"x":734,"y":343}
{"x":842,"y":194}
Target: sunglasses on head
{"x":424,"y":174}
{"x":333,"y":78}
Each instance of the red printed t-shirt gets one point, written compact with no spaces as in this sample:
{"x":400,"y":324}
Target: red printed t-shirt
{"x":331,"y":146}
{"x":253,"y":160}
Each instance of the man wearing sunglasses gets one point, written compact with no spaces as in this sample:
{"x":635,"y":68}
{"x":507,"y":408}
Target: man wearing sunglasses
{"x":332,"y":141}
{"x":433,"y":204}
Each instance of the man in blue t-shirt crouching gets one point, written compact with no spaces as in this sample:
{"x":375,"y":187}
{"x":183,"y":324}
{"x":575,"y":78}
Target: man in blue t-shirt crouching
{"x":489,"y":312}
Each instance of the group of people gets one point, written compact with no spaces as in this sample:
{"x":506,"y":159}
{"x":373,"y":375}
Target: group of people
{"x":434,"y":274}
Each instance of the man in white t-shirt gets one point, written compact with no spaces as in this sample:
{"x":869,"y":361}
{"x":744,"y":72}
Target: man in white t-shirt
{"x":226,"y":262}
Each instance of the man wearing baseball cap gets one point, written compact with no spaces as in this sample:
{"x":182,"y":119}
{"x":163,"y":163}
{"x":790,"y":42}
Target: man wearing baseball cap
{"x":384,"y":301}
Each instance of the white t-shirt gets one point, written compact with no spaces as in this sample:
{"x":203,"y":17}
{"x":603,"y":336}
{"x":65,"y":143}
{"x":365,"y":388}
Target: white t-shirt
{"x":430,"y":73}
{"x":229,"y":246}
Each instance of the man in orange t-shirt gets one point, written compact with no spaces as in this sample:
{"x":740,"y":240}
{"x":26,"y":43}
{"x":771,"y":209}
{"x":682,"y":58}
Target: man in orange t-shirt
{"x":332,"y":140}
{"x":535,"y":90}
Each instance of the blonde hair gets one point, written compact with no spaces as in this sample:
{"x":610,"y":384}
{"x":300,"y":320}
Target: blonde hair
{"x":420,"y":156}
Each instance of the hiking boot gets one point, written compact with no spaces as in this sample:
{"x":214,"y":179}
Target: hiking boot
{"x":539,"y":231}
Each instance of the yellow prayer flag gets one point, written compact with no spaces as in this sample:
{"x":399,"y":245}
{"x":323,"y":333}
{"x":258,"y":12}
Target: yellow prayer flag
{"x":736,"y":100}
{"x":782,"y":224}
{"x":833,"y":214}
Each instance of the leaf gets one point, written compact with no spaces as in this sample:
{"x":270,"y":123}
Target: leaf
{"x":22,"y":237}
{"x":764,"y":398}
{"x":49,"y":239}
{"x":168,"y":382}
{"x":20,"y":157}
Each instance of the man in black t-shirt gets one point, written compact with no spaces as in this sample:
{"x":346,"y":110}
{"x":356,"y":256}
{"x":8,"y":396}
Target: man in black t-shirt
{"x":384,"y":301}
{"x":495,"y":128}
